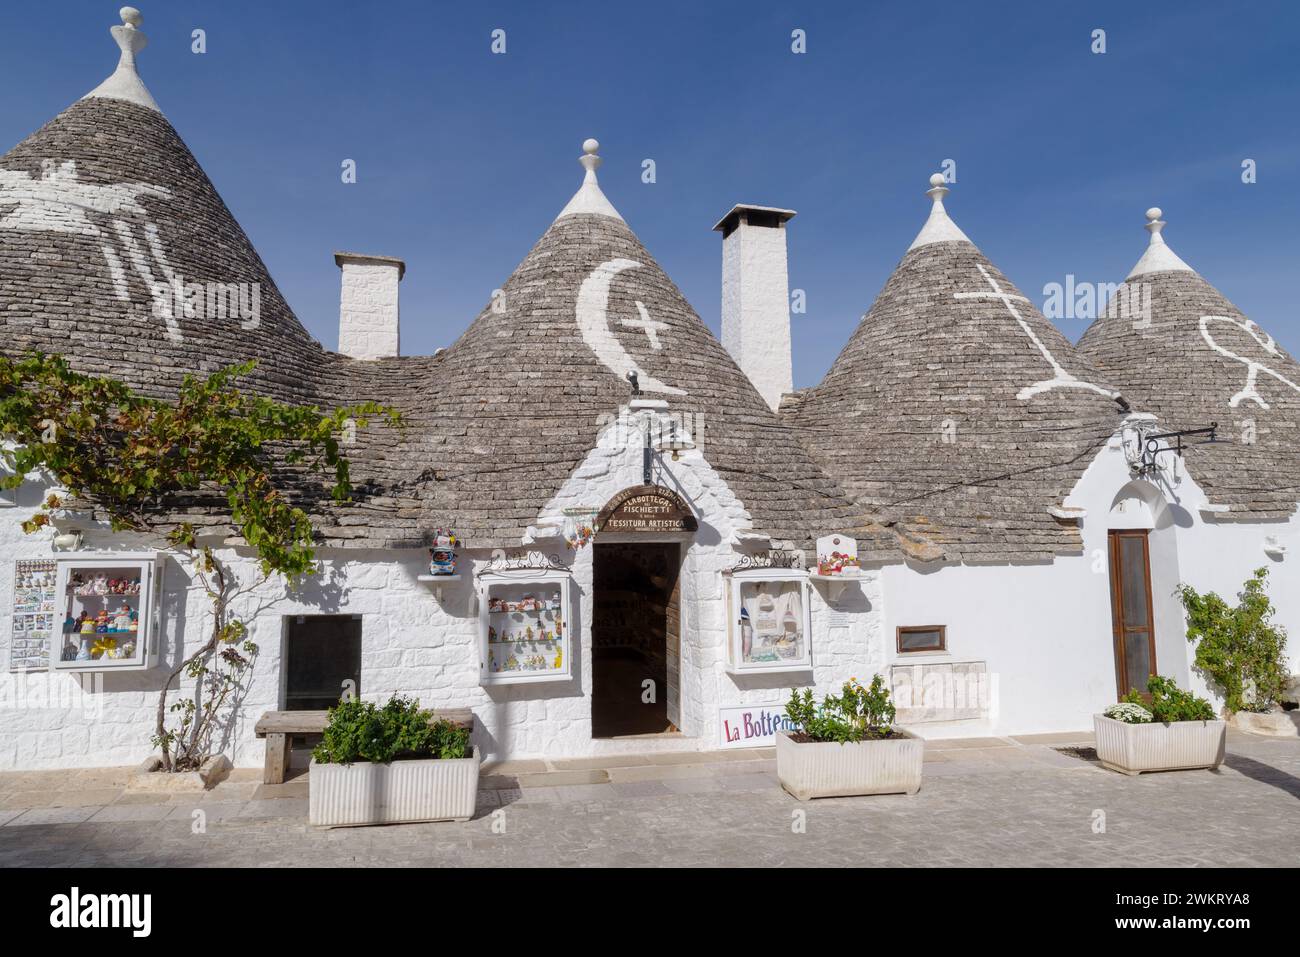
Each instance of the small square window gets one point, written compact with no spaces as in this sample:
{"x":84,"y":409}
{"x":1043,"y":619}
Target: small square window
{"x":922,"y":638}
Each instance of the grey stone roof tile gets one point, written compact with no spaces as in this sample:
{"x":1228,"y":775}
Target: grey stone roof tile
{"x":1174,"y":368}
{"x":923,"y":418}
{"x":495,"y":424}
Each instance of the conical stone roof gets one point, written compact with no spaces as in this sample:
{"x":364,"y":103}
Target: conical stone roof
{"x":117,"y":251}
{"x":512,"y":408}
{"x":957,"y":410}
{"x":104,"y":212}
{"x":1178,"y":348}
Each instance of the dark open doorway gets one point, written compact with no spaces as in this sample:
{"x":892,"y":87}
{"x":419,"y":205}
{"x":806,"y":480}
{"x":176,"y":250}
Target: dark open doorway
{"x":635,"y":623}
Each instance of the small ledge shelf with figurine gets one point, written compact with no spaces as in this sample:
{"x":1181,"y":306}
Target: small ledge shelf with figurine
{"x":524,"y":627}
{"x":442,"y":561}
{"x":837,"y":564}
{"x":109,"y":609}
{"x":771,"y":627}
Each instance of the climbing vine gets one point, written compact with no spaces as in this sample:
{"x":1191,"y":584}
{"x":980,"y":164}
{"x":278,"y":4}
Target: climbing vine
{"x":135,"y":459}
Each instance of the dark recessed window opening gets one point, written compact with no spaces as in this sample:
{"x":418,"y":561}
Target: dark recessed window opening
{"x":922,"y":638}
{"x":322,"y":660}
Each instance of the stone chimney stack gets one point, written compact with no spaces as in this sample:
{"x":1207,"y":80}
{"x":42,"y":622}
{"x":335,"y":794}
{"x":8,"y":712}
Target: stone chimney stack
{"x":368,"y":305}
{"x":756,"y":297}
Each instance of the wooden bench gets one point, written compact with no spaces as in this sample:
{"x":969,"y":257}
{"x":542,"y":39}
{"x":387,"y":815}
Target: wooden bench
{"x":279,"y":726}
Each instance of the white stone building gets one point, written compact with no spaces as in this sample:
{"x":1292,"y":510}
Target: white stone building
{"x":987,"y":473}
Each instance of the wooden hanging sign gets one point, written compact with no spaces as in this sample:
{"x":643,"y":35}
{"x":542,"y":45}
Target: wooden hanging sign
{"x":646,"y":508}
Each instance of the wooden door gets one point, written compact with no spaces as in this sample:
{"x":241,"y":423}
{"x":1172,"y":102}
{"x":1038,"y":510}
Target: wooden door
{"x":674,"y":642}
{"x":1132,"y":620}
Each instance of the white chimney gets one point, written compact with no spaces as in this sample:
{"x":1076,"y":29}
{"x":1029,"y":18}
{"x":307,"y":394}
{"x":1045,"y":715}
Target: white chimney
{"x":368,"y":305}
{"x":756,"y":297}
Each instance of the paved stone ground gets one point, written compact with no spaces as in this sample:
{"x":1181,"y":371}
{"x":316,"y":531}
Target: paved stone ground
{"x":984,"y":802}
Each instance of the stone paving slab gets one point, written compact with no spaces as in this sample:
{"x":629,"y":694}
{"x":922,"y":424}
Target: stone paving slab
{"x":211,"y":812}
{"x":130,"y":812}
{"x":994,"y":806}
{"x":693,"y":785}
{"x":52,"y":815}
{"x":966,"y":744}
{"x":1085,"y":738}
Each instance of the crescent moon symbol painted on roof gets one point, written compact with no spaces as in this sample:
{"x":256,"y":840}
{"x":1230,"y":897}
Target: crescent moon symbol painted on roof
{"x":592,"y":313}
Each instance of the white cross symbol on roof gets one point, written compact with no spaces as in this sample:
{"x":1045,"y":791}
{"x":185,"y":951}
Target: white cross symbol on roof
{"x":650,"y":326}
{"x":1061,"y":379}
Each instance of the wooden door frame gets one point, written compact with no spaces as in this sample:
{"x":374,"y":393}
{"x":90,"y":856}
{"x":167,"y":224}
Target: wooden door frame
{"x":1118,"y":644}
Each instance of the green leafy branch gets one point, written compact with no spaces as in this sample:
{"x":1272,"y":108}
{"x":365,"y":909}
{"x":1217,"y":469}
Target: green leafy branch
{"x":137,"y":458}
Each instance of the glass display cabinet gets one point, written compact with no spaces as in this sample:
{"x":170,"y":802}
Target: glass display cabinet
{"x":106,"y":611}
{"x":524,"y":627}
{"x":770,"y":627}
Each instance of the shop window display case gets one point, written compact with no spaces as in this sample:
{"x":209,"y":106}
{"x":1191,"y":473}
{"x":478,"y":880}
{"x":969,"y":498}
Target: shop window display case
{"x":106,"y":610}
{"x":770,"y":623}
{"x":524,"y":625}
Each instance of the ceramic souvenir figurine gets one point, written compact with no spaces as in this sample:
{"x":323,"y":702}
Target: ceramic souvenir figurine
{"x":837,"y":555}
{"x":83,"y":653}
{"x":104,"y":647}
{"x":442,"y":556}
{"x":100,"y":585}
{"x":87,"y":624}
{"x":128,"y":649}
{"x":101,"y":622}
{"x":69,"y":624}
{"x":135,"y":622}
{"x":122,"y":621}
{"x":69,"y":651}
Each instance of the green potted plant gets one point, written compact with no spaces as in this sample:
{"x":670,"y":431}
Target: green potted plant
{"x":1171,"y":729}
{"x":390,"y":765}
{"x":1241,"y":651}
{"x":847,"y":745}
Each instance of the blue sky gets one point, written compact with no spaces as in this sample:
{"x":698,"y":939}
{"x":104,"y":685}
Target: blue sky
{"x":465,"y":157}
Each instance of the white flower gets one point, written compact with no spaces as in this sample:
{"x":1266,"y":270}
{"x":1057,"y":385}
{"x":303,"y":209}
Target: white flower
{"x":1128,"y":713}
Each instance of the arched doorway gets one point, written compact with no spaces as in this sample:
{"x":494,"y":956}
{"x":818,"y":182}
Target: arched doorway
{"x":636,"y":612}
{"x":1143,"y":569}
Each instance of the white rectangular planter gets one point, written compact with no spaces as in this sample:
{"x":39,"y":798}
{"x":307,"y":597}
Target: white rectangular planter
{"x":402,"y":792}
{"x":827,"y":769}
{"x":1157,"y":746}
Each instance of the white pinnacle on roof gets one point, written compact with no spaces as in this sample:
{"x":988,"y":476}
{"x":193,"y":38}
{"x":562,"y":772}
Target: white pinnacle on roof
{"x":1158,"y":257}
{"x":938,"y":228}
{"x":589,"y":199}
{"x":125,"y":83}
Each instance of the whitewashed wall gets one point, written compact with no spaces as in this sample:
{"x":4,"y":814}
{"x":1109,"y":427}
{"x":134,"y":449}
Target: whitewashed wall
{"x":415,"y":646}
{"x":1045,"y":629}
